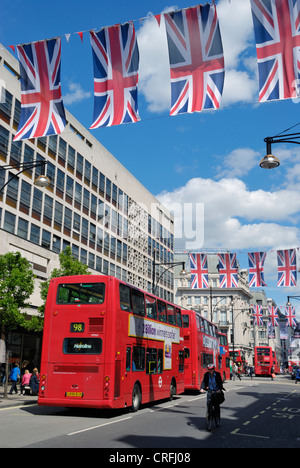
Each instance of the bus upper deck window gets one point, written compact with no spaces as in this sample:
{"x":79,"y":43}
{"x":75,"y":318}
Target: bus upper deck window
{"x":138,"y":302}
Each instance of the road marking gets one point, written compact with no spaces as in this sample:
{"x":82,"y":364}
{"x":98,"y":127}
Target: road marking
{"x":100,"y":425}
{"x":236,"y":432}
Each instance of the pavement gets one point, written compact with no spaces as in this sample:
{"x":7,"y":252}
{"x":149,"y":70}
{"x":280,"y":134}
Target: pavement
{"x":16,"y":399}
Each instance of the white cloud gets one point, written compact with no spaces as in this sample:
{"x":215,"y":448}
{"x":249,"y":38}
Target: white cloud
{"x":236,"y":217}
{"x":238,"y":163}
{"x":76,"y":94}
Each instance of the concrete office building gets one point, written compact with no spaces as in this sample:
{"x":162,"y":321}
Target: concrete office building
{"x":93,"y":204}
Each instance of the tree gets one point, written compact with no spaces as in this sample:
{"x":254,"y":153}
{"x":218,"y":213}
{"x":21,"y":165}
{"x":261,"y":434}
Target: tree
{"x":16,"y":286}
{"x":69,"y":266}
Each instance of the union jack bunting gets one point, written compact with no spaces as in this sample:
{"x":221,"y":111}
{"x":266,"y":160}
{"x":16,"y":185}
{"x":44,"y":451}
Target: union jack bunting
{"x":257,"y":315}
{"x":116,"y":61}
{"x":287,"y":267}
{"x":273,"y":316}
{"x":277,"y":34}
{"x":196,"y":59}
{"x":228,"y":270}
{"x":290,"y":317}
{"x":42,"y":110}
{"x":256,"y":269}
{"x":199,"y":271}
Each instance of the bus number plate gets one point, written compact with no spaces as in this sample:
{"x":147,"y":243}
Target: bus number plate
{"x":77,"y":327}
{"x":74,"y":394}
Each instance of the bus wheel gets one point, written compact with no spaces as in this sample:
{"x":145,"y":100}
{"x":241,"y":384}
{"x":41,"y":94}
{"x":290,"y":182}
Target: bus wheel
{"x":172,"y":389}
{"x":136,"y":398}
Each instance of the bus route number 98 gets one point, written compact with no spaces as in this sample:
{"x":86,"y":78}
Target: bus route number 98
{"x":77,"y":327}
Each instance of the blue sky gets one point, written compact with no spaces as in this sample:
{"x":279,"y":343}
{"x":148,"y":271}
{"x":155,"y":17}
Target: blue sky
{"x":209,"y":158}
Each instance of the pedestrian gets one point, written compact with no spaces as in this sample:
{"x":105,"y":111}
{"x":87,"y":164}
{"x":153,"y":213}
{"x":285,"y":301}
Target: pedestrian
{"x":34,"y":382}
{"x":251,"y":372}
{"x":13,"y":378}
{"x":236,"y":371}
{"x":25,"y":381}
{"x":272,"y":373}
{"x":297,"y":375}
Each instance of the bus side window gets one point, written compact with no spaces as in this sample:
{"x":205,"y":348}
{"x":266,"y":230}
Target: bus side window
{"x":138,"y":302}
{"x":125,"y":298}
{"x":178,"y":317}
{"x":185,"y":321}
{"x":128,"y":359}
{"x":151,"y":307}
{"x":151,"y":361}
{"x":171,"y":314}
{"x":162,"y":313}
{"x":138,"y":358}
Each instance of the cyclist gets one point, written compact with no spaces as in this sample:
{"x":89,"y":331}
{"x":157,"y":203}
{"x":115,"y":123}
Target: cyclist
{"x":212,"y":380}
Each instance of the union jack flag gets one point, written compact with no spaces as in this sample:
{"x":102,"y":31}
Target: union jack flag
{"x":287,"y":267}
{"x":199,"y":271}
{"x":290,"y":317}
{"x":273,"y":316}
{"x":116,"y":61}
{"x":257,"y":315}
{"x":228,"y":270}
{"x":42,"y":110}
{"x":277,"y":33}
{"x":196,"y":59}
{"x":256,"y":269}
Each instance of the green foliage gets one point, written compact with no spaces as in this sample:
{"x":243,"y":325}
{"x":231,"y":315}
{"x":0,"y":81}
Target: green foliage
{"x":16,"y":286}
{"x":69,"y":266}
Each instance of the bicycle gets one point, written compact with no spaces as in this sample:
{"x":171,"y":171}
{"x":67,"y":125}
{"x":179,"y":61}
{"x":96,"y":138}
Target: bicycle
{"x":211,"y":410}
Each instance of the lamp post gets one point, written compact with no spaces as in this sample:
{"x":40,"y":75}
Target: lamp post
{"x":169,"y":264}
{"x":270,"y":161}
{"x":41,"y":181}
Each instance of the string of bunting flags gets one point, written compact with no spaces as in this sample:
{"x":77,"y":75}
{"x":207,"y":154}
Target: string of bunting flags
{"x":228,"y":270}
{"x":196,"y":60}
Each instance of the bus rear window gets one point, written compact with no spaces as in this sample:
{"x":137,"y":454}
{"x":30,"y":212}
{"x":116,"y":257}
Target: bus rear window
{"x":81,"y":293}
{"x":82,"y":346}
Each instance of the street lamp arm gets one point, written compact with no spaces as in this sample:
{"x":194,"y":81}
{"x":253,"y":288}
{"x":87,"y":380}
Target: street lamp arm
{"x":23,"y":168}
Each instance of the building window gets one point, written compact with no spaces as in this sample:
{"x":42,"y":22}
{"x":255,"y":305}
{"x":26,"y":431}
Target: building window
{"x":35,"y":234}
{"x":46,"y":239}
{"x":9,"y":222}
{"x":22,"y":228}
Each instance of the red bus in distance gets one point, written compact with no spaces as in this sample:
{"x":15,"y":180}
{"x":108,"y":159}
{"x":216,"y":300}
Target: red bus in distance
{"x":201,"y":347}
{"x":107,"y":344}
{"x":224,"y":360}
{"x":239,"y":359}
{"x":264,"y":359}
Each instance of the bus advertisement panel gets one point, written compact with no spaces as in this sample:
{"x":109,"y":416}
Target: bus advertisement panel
{"x":107,"y":344}
{"x":201,"y":348}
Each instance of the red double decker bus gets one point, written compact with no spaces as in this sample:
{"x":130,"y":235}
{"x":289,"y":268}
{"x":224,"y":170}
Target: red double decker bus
{"x":201,"y":347}
{"x":264,"y":359}
{"x":224,"y":359}
{"x":107,"y":344}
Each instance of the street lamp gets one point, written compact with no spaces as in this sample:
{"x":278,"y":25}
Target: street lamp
{"x":169,"y":264}
{"x":294,"y":297}
{"x":41,"y":181}
{"x":270,"y":161}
